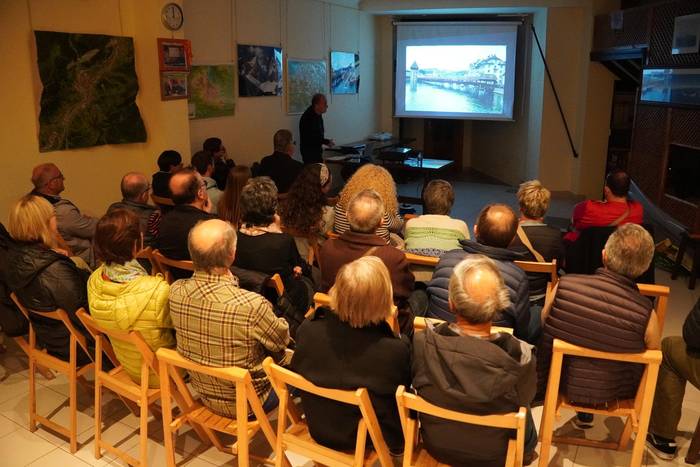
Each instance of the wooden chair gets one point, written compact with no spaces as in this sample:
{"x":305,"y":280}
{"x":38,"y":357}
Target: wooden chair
{"x":660,"y":294}
{"x":541,"y":268}
{"x":24,"y":346}
{"x":416,"y":455}
{"x":161,"y":201}
{"x":322,"y":299}
{"x":421,"y":322}
{"x":165,"y":264}
{"x":118,"y":381}
{"x":694,"y":449}
{"x":297,"y":438}
{"x":419,"y":260}
{"x":422,"y":267}
{"x":147,"y":254}
{"x":637,"y":410}
{"x":196,"y":414}
{"x":73,"y":373}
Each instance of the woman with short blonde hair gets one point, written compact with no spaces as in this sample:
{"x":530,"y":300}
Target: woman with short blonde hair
{"x":362,"y":293}
{"x":32,"y":219}
{"x":533,"y":199}
{"x":350,"y":346}
{"x":370,"y":177}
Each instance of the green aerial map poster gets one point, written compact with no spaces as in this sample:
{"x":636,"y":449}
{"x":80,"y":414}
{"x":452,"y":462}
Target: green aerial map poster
{"x":211,"y":91}
{"x":306,"y":78}
{"x":89,"y":93}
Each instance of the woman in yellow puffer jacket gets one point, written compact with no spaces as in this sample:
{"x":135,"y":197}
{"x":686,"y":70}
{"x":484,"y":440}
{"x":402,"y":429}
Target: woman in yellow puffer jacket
{"x":123,"y":296}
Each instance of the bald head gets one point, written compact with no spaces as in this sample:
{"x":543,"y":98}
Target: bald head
{"x":185,"y":186}
{"x":365,"y":212}
{"x":47,"y":178}
{"x":212,"y":245}
{"x":134,"y":187}
{"x":496,"y":226}
{"x":477,"y":291}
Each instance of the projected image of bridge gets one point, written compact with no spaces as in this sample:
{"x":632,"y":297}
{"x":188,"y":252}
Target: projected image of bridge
{"x":462,"y":78}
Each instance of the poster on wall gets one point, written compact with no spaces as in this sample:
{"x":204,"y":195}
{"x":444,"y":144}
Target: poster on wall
{"x":89,"y":90}
{"x":304,"y":79}
{"x":345,"y":72}
{"x":211,"y":91}
{"x":174,"y":54}
{"x":686,"y":34}
{"x":259,"y":70}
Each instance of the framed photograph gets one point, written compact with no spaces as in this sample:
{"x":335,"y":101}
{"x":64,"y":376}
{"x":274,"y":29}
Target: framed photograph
{"x":671,"y":86}
{"x":345,"y":72}
{"x":174,"y":54}
{"x":259,"y":70}
{"x":173,"y":85}
{"x":304,"y":79}
{"x":686,"y":34}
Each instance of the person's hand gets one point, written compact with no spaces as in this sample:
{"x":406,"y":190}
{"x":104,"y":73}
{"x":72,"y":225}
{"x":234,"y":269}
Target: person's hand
{"x":297,"y":272}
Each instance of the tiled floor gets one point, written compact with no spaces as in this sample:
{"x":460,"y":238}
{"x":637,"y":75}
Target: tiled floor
{"x":20,"y":447}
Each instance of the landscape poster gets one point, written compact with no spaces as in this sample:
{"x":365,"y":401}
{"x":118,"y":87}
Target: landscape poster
{"x":345,"y":72}
{"x":211,"y":91}
{"x":89,"y":91}
{"x":304,"y":79}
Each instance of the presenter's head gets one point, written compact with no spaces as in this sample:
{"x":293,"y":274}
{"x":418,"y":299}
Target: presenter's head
{"x":319,"y":103}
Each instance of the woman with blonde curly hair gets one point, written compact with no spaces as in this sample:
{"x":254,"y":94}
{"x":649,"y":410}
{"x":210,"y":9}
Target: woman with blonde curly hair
{"x":371,"y":177}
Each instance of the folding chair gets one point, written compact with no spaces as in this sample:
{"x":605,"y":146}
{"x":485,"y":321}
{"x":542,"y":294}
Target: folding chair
{"x":70,"y":368}
{"x":637,"y":410}
{"x":161,"y":201}
{"x":322,"y":299}
{"x":297,"y":438}
{"x":165,"y":264}
{"x":421,"y":322}
{"x":541,"y":268}
{"x":196,"y":414}
{"x":416,"y":455}
{"x":422,"y":267}
{"x":147,"y":254}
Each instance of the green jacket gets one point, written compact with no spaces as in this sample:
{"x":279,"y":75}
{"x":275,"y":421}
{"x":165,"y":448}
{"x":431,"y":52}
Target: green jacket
{"x":139,"y":305}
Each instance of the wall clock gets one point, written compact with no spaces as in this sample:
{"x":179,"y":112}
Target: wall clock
{"x":172,"y":17}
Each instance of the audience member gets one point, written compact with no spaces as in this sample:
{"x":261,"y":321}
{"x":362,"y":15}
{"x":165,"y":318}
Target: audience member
{"x":191,"y":206}
{"x":364,"y":216}
{"x":219,"y":324}
{"x":435,"y":232}
{"x":203,"y":163}
{"x":42,"y":275}
{"x":602,"y":311}
{"x":222,"y":163}
{"x":123,"y":297}
{"x":494,"y":230}
{"x":135,"y":190}
{"x":463,"y":366}
{"x":350,"y":346}
{"x":615,"y":210}
{"x":75,"y":228}
{"x":311,"y":131}
{"x":280,"y":165}
{"x":680,"y":364}
{"x":305,"y":213}
{"x":229,"y":208}
{"x":535,"y":239}
{"x":263,"y":247}
{"x":168,"y":162}
{"x":371,"y":177}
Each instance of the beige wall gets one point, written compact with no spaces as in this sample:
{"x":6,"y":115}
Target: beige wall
{"x":305,"y":29}
{"x":92,"y":174}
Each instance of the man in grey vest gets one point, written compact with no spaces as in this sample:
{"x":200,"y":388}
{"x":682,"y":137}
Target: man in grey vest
{"x":602,"y":311}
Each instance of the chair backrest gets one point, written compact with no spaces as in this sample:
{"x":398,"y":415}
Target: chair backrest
{"x":431,"y":261}
{"x":134,"y":338}
{"x":322,"y":299}
{"x":660,"y":293}
{"x":281,"y":378}
{"x":164,"y":264}
{"x":421,"y":322}
{"x":161,"y":201}
{"x":408,"y":402}
{"x":543,"y":268}
{"x":275,"y":282}
{"x":58,"y":315}
{"x":147,"y":254}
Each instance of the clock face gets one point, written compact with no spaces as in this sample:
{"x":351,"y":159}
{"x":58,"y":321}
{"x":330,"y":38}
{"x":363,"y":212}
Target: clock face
{"x":172,"y":16}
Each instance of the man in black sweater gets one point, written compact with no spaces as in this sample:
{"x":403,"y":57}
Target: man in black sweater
{"x":680,"y":364}
{"x":280,"y":165}
{"x":311,"y":132}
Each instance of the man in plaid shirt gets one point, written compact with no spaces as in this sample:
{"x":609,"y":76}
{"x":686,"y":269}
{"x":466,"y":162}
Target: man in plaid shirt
{"x":219,"y":324}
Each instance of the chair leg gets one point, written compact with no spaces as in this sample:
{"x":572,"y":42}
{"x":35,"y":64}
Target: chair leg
{"x":98,"y":418}
{"x":73,"y":384}
{"x":625,"y":435}
{"x":32,"y":394}
{"x":694,"y":449}
{"x":143,"y":438}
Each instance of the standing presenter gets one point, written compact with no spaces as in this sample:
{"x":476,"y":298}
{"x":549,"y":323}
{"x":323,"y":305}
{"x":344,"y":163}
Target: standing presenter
{"x":311,"y":131}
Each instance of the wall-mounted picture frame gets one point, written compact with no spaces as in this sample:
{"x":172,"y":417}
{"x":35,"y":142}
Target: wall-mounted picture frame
{"x":686,"y":34}
{"x":345,"y":72}
{"x":173,"y":85}
{"x":174,"y":54}
{"x":259,"y":70}
{"x":304,"y":79}
{"x":671,"y":86}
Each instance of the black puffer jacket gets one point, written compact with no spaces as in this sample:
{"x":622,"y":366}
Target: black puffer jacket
{"x":691,"y":329}
{"x":11,"y":320}
{"x":43,"y":281}
{"x":516,"y":316}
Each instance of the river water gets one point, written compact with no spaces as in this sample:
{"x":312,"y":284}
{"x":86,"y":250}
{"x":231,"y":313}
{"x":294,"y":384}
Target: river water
{"x":427,"y":98}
